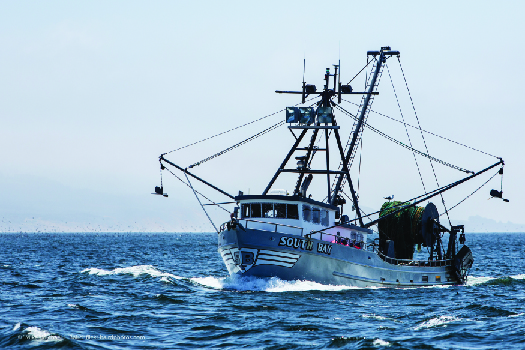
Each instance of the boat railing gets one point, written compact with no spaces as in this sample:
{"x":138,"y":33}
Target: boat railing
{"x":409,"y":262}
{"x":275,"y":226}
{"x":338,"y":239}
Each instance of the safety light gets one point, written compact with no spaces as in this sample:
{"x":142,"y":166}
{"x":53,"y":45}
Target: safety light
{"x":325,"y":115}
{"x":307,"y":115}
{"x":293,"y":115}
{"x":303,"y":115}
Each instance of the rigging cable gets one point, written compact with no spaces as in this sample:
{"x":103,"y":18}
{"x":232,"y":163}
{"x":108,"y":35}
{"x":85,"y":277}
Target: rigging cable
{"x":161,"y":168}
{"x":355,"y":76}
{"x":467,"y":197}
{"x":366,"y":113}
{"x":423,"y":136}
{"x":406,"y":130}
{"x":251,"y":138}
{"x":407,"y":146}
{"x":225,"y":132}
{"x":202,"y":206}
{"x":359,"y":175}
{"x":404,"y":204}
{"x":181,"y":180}
{"x":238,"y":127}
{"x":428,"y":132}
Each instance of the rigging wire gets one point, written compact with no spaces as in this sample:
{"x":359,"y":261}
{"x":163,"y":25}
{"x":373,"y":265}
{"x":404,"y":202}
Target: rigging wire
{"x":367,"y":112}
{"x":428,"y":132}
{"x":161,"y":167}
{"x":251,"y":138}
{"x":406,"y":130}
{"x":181,"y":180}
{"x":361,"y":210}
{"x":407,"y":146}
{"x":202,"y":206}
{"x":355,"y":76}
{"x":446,"y":187}
{"x":467,"y":197}
{"x":423,"y":136}
{"x":225,"y":132}
{"x":238,"y":127}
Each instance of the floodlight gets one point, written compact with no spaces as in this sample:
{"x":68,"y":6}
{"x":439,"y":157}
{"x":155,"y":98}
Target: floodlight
{"x":325,"y":115}
{"x":292,"y":115}
{"x":307,"y":115}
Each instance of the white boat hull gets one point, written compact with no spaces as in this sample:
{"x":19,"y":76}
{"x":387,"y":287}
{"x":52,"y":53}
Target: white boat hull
{"x":259,"y":253}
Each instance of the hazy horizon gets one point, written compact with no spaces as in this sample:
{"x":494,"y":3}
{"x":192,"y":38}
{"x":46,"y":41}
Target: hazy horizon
{"x":92,"y":94}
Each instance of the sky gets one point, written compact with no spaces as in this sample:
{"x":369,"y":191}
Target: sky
{"x":91,"y":93}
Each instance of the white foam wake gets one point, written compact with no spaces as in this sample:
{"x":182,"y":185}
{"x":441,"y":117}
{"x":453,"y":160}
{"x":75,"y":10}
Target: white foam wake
{"x":273,"y":284}
{"x":380,"y":342}
{"x":132,"y":270}
{"x":437,"y":321}
{"x":37,"y":334}
{"x":379,"y":318}
{"x":473,"y":281}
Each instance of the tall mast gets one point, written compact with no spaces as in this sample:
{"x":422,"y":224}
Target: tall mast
{"x":385,"y":51}
{"x":308,"y":116}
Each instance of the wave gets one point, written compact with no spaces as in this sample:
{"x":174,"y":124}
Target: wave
{"x":474,"y":281}
{"x":437,"y":322}
{"x":273,"y":284}
{"x":135,"y":271}
{"x":490,"y":311}
{"x":33,"y":333}
{"x":358,"y":342}
{"x":380,"y":342}
{"x":506,"y":280}
{"x":379,"y":318}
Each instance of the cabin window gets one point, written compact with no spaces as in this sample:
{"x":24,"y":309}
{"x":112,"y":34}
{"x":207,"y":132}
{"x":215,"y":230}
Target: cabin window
{"x":280,"y":210}
{"x":245,"y":210}
{"x":267,"y":210}
{"x":307,"y":213}
{"x":292,"y":211}
{"x":316,"y":215}
{"x":270,"y":210}
{"x":255,"y":210}
{"x":324,"y":217}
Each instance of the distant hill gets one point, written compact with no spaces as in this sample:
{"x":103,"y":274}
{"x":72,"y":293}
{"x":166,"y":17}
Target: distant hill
{"x":480,"y":224}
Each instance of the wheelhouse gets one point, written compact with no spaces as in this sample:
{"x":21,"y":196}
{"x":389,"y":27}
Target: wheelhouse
{"x":297,"y":215}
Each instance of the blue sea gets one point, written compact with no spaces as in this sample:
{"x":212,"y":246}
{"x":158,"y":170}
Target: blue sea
{"x":172,"y":291}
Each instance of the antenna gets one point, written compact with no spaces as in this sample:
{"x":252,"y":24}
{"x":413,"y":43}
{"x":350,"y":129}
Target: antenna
{"x":339,"y":77}
{"x":304,"y":84}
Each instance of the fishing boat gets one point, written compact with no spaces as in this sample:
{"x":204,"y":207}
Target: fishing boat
{"x":292,"y":236}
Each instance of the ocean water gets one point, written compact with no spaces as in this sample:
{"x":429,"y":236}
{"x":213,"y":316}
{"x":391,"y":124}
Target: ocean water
{"x":171,"y":291}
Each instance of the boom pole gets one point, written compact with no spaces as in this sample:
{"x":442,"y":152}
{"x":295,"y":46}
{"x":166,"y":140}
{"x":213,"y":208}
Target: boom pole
{"x":385,"y":51}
